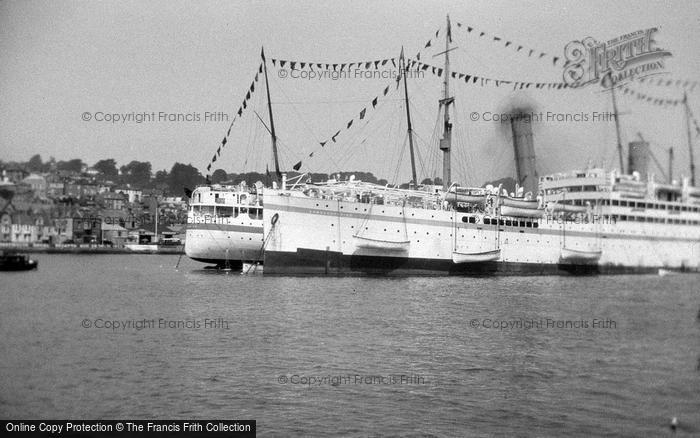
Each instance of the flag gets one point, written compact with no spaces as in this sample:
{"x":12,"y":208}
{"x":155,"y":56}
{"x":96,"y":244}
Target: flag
{"x":386,"y":90}
{"x":262,"y":53}
{"x":323,"y":143}
{"x":240,"y":111}
{"x":213,"y":159}
{"x":349,"y":124}
{"x":427,"y":44}
{"x":374,"y":102}
{"x":334,"y":136}
{"x":209,"y":167}
{"x":362,"y":113}
{"x":297,"y":166}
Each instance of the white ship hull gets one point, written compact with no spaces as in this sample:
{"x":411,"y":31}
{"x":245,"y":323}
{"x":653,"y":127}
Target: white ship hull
{"x":218,"y":243}
{"x":315,"y":236}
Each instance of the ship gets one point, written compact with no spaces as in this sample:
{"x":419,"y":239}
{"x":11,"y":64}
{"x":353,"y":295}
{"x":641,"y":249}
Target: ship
{"x":10,"y":261}
{"x":590,"y":221}
{"x":225,"y":225}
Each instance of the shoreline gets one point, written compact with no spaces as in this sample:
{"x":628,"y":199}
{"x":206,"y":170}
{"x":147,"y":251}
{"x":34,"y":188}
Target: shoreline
{"x":179,"y":249}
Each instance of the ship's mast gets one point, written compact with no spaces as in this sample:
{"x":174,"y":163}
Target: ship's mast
{"x":670,"y":165}
{"x":272,"y":121}
{"x":404,"y":70}
{"x":446,"y":141}
{"x":690,"y":139}
{"x":617,"y":125}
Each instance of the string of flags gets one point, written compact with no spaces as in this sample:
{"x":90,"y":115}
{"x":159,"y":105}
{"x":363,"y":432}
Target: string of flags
{"x":366,"y":65}
{"x":506,"y":43}
{"x":238,"y":114}
{"x":665,"y":82}
{"x":482,"y":81}
{"x":360,"y":116}
{"x":649,"y":99}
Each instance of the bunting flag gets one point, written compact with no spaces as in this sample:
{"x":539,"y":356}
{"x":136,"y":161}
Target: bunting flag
{"x":507,"y":43}
{"x":297,"y":166}
{"x":473,"y":79}
{"x":649,"y":99}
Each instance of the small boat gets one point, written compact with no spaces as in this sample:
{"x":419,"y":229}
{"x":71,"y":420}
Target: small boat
{"x":566,"y":208}
{"x":142,"y":247}
{"x":252,"y":268}
{"x":380,"y":244}
{"x":16,"y":262}
{"x":467,"y":196}
{"x":476,"y":257}
{"x":523,"y":203}
{"x":579,"y":256}
{"x":520,"y":212}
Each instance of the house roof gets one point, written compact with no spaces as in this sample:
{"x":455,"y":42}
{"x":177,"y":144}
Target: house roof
{"x":112,"y":227}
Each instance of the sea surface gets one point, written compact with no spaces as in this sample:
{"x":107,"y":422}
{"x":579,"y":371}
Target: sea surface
{"x":518,"y":356}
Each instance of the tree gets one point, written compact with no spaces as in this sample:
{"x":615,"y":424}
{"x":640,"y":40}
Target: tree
{"x":219,"y":176}
{"x":183,"y":175}
{"x":35,"y":164}
{"x":137,"y":173}
{"x":161,"y":180}
{"x":108,"y":168}
{"x":74,"y":165}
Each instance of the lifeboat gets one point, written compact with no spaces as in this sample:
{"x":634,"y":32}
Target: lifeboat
{"x":476,"y":257}
{"x":575,"y":256}
{"x":381,"y":244}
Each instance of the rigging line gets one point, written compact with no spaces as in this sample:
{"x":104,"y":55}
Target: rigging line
{"x":311,"y":102}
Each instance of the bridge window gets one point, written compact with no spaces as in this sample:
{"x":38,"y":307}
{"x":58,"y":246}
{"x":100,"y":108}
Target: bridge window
{"x":224,"y":211}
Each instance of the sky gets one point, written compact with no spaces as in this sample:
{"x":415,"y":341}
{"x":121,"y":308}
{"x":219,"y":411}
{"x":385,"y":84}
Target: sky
{"x":61,"y":59}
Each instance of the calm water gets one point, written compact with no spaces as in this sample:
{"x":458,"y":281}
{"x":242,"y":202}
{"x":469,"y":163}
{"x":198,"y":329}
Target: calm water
{"x":460,"y":380}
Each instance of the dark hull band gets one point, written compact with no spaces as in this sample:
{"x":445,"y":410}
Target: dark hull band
{"x":319,"y":262}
